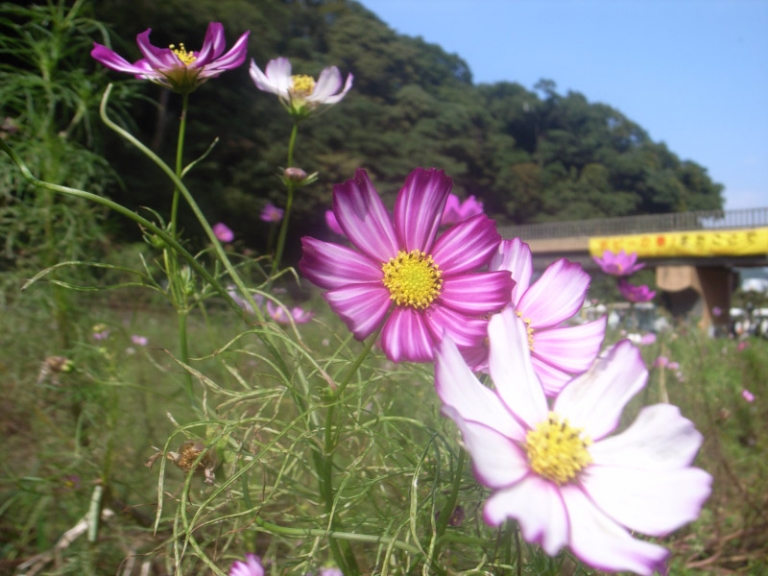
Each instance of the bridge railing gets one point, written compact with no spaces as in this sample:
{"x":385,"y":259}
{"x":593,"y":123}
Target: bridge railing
{"x":674,"y":222}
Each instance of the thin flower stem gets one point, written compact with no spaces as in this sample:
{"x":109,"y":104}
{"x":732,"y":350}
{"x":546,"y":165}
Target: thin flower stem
{"x":342,"y":551}
{"x":288,"y":203}
{"x":179,"y":161}
{"x":450,"y":505}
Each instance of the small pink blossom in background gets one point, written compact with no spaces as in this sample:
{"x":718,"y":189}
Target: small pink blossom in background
{"x":100,"y":332}
{"x":743,"y":345}
{"x":279,"y":315}
{"x":635,"y":293}
{"x":139,"y":340}
{"x":333,"y":224}
{"x":621,"y":264}
{"x":747,"y":395}
{"x":223,"y":233}
{"x":251,"y":567}
{"x":456,"y":211}
{"x":673,"y":365}
{"x":661,"y":362}
{"x":555,"y":468}
{"x":271,"y":213}
{"x":642,"y":339}
{"x":717,"y":311}
{"x":240,"y":301}
{"x":331,"y":572}
{"x":177,"y":68}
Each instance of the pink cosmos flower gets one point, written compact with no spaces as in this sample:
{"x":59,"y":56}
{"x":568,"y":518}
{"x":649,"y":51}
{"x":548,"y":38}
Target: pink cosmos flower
{"x":300,"y":94}
{"x":554,"y":469}
{"x":717,"y":311}
{"x":175,"y":67}
{"x":456,"y":211}
{"x":743,"y":345}
{"x":558,"y":352}
{"x":661,"y":362}
{"x":251,"y":567}
{"x":280,"y":315}
{"x":400,"y":273}
{"x":673,"y":365}
{"x":332,"y":223}
{"x":271,"y":213}
{"x":635,"y":293}
{"x":747,"y":395}
{"x":139,"y":340}
{"x":621,"y":264}
{"x":223,"y":233}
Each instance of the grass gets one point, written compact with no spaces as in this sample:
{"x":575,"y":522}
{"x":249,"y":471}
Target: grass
{"x":94,"y":428}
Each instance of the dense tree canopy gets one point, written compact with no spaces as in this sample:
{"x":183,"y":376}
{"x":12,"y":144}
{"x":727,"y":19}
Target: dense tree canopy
{"x":530,"y":155}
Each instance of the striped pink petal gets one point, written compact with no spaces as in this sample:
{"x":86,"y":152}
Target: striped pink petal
{"x":362,"y":307}
{"x":476,"y":294}
{"x":556,"y":296}
{"x":466,"y":246}
{"x":332,"y":265}
{"x":363,"y":218}
{"x":418,"y":208}
{"x":405,"y":337}
{"x":570,"y":348}
{"x":515,"y":256}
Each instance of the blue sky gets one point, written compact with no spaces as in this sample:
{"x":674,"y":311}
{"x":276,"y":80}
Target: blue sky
{"x":693,"y":73}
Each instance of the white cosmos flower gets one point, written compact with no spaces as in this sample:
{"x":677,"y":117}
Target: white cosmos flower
{"x":555,"y":470}
{"x":301,"y":94}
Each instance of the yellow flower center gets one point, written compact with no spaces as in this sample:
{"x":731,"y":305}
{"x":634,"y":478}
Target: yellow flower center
{"x":528,"y":329}
{"x":556,"y":450}
{"x":413,"y":279}
{"x":303,"y":85}
{"x":186,"y":57}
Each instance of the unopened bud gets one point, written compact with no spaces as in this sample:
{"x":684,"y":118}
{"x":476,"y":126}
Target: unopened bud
{"x":294,"y":174}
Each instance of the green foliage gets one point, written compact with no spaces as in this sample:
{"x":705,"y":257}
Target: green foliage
{"x":530,"y":156}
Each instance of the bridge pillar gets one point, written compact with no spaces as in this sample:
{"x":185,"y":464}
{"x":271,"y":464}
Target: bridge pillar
{"x":713,"y":284}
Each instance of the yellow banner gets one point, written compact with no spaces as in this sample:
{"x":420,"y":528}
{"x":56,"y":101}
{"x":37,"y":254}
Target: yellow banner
{"x":701,"y":243}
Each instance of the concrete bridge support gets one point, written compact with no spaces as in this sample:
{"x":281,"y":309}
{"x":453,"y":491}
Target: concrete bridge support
{"x":713,"y":284}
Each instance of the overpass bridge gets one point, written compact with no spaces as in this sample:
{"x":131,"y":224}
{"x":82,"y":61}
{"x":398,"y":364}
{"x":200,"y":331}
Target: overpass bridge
{"x":693,"y":253}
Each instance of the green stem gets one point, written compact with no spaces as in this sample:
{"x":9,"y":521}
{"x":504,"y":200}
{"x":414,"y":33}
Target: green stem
{"x":120,"y":209}
{"x":288,"y":203}
{"x":450,"y":505}
{"x":179,"y":160}
{"x":342,"y":551}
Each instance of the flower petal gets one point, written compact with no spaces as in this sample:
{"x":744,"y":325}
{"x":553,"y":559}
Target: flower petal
{"x":496,"y":459}
{"x":158,"y":58}
{"x":112,"y":60}
{"x":213,"y":45}
{"x":537,"y":506}
{"x":570,"y":348}
{"x":362,"y":307}
{"x":510,"y":366}
{"x":329,"y":100}
{"x":418,"y":208}
{"x":466,"y":246}
{"x":654,"y":502}
{"x":659,"y":439}
{"x":552,"y":379}
{"x":602,"y":543}
{"x":277,"y":78}
{"x":460,"y":390}
{"x":363,"y":217}
{"x":332,"y":265}
{"x":556,"y":296}
{"x":232,"y":59}
{"x":465,"y":331}
{"x":406,"y":337}
{"x":515,"y":256}
{"x":594,"y":401}
{"x":476,"y":294}
{"x":328,"y":83}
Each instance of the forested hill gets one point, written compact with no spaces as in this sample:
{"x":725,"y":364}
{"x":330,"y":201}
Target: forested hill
{"x":529,"y":155}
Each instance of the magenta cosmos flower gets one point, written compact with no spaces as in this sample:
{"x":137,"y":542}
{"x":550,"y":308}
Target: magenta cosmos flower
{"x":223,"y":232}
{"x":251,"y":567}
{"x":281,"y":314}
{"x":271,"y":213}
{"x":635,"y":293}
{"x":558,"y":352}
{"x":456,"y":211}
{"x":430,"y":286}
{"x":175,"y":67}
{"x":300,"y":94}
{"x":621,"y":264}
{"x":555,"y":470}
